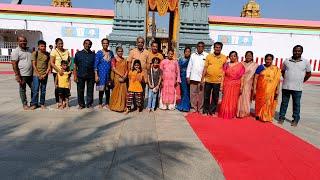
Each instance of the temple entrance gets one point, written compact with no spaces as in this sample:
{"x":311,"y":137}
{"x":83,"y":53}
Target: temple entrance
{"x":188,"y":23}
{"x":166,"y":37}
{"x":158,"y":31}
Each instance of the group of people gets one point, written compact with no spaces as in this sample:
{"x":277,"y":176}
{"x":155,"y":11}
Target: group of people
{"x":190,"y":83}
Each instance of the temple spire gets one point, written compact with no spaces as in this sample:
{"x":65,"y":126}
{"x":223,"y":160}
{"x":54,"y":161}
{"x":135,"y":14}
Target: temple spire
{"x":251,"y":9}
{"x":61,"y":3}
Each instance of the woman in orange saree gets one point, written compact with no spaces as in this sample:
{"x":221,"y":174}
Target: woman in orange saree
{"x":244,"y":103}
{"x":232,"y":86}
{"x":120,"y":73}
{"x":266,"y":89}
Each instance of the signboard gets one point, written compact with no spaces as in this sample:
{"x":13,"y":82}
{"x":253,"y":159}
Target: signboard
{"x":236,"y":40}
{"x":80,"y":32}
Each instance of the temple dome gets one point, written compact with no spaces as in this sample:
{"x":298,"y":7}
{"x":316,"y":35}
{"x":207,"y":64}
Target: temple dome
{"x":251,"y":9}
{"x":61,"y":3}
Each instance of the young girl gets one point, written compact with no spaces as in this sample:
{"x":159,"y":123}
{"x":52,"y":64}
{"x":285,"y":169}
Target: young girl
{"x":63,"y":86}
{"x":135,"y":90}
{"x":171,"y":79}
{"x":154,"y":81}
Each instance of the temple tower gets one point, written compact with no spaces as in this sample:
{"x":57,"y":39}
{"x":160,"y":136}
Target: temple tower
{"x":194,"y":24}
{"x":129,"y":22}
{"x":251,"y":9}
{"x":188,"y":22}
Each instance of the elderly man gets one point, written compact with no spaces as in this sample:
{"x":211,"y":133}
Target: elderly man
{"x":138,"y":53}
{"x":22,"y":67}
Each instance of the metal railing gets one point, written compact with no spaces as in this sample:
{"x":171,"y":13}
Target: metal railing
{"x":5,"y":59}
{"x":9,"y":45}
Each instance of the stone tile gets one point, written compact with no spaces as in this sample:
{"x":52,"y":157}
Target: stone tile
{"x":57,"y":160}
{"x":188,"y":160}
{"x":137,"y":162}
{"x":100,"y":144}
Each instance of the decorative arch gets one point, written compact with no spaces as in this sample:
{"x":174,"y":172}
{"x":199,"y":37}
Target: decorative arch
{"x":171,"y":6}
{"x":163,"y":6}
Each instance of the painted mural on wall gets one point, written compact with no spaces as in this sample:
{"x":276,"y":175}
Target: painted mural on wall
{"x":235,"y":40}
{"x":80,"y":32}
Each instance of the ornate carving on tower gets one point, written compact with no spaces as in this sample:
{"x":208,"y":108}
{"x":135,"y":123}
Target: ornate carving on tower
{"x":61,"y":3}
{"x":188,"y":22}
{"x":251,"y":9}
{"x":194,"y":24}
{"x":129,"y":22}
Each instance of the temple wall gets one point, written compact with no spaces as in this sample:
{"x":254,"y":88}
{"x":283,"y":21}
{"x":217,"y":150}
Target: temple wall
{"x":261,"y":41}
{"x":277,"y":43}
{"x":72,"y":30}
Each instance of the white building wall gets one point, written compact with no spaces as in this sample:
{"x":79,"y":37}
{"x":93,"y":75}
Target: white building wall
{"x":280,"y":45}
{"x":51,"y":30}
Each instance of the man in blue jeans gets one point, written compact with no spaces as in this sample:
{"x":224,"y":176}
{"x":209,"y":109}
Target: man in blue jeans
{"x":295,"y":72}
{"x":41,"y":69}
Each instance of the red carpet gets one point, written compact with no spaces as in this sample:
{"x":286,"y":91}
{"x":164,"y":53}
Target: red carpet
{"x":247,"y":149}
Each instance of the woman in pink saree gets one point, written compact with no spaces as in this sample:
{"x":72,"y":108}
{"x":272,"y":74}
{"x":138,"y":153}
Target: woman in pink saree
{"x":232,"y":86}
{"x":244,"y":102}
{"x":170,"y":80}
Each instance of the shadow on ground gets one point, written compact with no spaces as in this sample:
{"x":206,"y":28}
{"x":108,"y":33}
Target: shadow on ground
{"x":66,"y":152}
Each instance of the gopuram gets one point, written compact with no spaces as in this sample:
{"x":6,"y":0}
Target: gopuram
{"x":188,"y":22}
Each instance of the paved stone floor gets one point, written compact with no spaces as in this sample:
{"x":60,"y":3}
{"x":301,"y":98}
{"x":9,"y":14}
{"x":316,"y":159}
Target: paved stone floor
{"x":96,"y":144}
{"x":99,"y":144}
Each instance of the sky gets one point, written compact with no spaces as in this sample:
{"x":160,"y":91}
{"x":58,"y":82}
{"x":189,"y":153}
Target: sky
{"x":280,"y":9}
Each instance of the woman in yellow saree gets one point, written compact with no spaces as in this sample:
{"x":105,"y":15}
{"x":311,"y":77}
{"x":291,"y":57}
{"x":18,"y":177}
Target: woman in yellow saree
{"x":266,"y":89}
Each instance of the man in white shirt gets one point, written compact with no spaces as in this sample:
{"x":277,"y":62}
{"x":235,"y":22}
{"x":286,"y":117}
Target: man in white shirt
{"x":295,"y":72}
{"x":194,"y":75}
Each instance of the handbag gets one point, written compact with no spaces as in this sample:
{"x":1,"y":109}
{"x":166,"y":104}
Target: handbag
{"x":178,"y":94}
{"x":110,"y":84}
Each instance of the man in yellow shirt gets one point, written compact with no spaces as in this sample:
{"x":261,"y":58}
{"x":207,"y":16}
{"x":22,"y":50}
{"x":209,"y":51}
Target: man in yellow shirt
{"x":213,"y":78}
{"x":153,"y":53}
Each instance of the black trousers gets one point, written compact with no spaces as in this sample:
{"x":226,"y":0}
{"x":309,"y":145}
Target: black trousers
{"x":82,"y":81}
{"x":107,"y":92}
{"x":211,"y":97}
